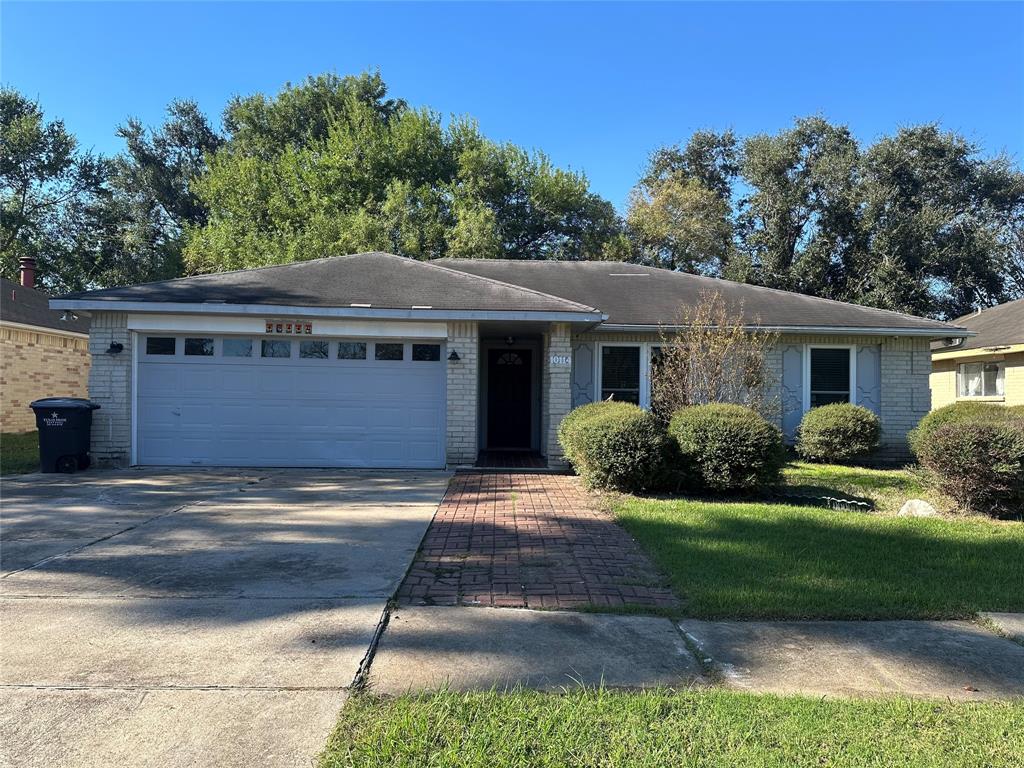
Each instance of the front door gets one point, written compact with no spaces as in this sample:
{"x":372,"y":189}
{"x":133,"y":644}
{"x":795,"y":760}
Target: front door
{"x":509,"y":385}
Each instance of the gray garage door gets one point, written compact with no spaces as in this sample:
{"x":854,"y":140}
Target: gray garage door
{"x":290,"y":402}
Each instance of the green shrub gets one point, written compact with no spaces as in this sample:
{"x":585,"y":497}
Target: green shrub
{"x":978,"y":464}
{"x":727,"y":447}
{"x":957,"y":413}
{"x":837,"y":433}
{"x":614,"y":445}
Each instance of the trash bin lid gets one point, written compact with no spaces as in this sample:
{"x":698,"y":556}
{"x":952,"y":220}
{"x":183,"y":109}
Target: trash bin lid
{"x":74,"y":403}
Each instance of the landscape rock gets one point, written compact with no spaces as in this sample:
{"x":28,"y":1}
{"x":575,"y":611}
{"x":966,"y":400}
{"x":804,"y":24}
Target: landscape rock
{"x":917,"y":508}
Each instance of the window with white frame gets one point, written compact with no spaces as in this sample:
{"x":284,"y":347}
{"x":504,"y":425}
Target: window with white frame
{"x":830,"y":376}
{"x":620,"y":373}
{"x":980,"y":380}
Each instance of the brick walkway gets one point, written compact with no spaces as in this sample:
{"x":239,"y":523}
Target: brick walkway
{"x":528,"y":541}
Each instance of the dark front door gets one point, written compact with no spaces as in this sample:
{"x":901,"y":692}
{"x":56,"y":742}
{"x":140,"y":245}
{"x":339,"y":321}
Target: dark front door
{"x":509,"y":384}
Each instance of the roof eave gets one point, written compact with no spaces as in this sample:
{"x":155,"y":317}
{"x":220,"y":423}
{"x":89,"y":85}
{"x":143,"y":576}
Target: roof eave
{"x":933,"y":333}
{"x":370,"y":313}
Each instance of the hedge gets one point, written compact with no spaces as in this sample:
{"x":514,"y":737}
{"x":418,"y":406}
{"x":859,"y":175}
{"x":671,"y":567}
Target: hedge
{"x":837,"y":433}
{"x":727,"y":447}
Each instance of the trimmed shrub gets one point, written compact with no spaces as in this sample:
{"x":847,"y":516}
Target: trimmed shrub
{"x":979,"y":464}
{"x":613,"y":445}
{"x":837,"y":433}
{"x":957,"y":413}
{"x":727,"y":447}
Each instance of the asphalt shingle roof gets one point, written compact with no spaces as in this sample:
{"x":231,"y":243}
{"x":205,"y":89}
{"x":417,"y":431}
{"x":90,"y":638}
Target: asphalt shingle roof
{"x":381,"y":280}
{"x":996,"y":326}
{"x":29,"y":306}
{"x":636,"y":295}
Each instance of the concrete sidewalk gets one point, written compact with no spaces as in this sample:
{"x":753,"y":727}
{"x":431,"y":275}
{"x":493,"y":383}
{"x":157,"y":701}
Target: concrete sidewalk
{"x":425,"y":648}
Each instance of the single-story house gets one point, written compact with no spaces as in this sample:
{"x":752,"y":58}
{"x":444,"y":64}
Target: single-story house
{"x":373,"y":360}
{"x":43,"y":352}
{"x":988,"y":366}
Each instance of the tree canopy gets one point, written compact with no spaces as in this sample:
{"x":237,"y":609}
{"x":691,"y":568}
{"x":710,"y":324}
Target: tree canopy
{"x":921,"y":221}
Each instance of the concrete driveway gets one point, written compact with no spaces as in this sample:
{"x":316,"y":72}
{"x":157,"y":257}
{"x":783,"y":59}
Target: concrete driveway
{"x":194,"y":617}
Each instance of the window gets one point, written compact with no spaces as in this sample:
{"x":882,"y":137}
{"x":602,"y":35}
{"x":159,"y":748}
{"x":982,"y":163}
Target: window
{"x":199,"y":347}
{"x":830,"y":376}
{"x":237,"y":347}
{"x":980,"y":380}
{"x":160,"y":345}
{"x":428,"y":353}
{"x":620,"y":374}
{"x":313,"y":350}
{"x":389,"y":351}
{"x":276,"y":348}
{"x":351,"y":350}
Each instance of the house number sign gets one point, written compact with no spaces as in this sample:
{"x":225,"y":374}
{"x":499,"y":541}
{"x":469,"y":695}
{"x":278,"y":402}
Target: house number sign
{"x":561,"y":361}
{"x":287,"y":328}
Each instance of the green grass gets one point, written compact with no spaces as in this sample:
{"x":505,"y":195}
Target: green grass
{"x":887,"y":488}
{"x":767,"y":560}
{"x":19,"y":453}
{"x":664,"y":728}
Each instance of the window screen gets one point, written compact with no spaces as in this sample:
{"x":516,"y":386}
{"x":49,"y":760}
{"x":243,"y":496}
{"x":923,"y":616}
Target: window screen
{"x":426,"y":352}
{"x":199,"y":347}
{"x":620,"y":374}
{"x":275,"y":348}
{"x":313,"y":350}
{"x":387,"y":351}
{"x":980,"y":380}
{"x":160,"y":345}
{"x":830,"y":376}
{"x":351,"y":350}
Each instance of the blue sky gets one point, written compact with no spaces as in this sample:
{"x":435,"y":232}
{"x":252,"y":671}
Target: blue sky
{"x":596,"y":86}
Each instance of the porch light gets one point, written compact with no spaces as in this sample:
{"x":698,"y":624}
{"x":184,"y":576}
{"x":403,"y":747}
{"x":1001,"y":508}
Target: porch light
{"x":115,"y":348}
{"x":454,"y":357}
{"x":510,"y":340}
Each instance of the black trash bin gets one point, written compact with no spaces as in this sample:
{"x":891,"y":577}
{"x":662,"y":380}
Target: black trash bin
{"x":65,"y":424}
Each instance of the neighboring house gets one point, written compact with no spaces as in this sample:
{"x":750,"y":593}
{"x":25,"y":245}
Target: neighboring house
{"x":986,"y":367}
{"x":377,"y":360}
{"x":41,"y":354}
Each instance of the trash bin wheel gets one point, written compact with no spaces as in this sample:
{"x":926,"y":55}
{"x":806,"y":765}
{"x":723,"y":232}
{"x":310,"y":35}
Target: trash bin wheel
{"x":67,"y":464}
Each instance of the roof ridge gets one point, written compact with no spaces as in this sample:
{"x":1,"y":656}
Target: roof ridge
{"x":982,"y":311}
{"x":522,"y":288}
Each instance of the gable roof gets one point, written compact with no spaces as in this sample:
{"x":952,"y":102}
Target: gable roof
{"x":366,"y":280}
{"x":28,"y":306}
{"x":635,"y":295}
{"x":996,"y":327}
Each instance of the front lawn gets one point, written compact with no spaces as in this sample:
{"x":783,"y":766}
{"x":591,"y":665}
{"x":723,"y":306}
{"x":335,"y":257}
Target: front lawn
{"x":887,"y":488}
{"x":664,"y":728}
{"x":19,"y":453}
{"x":773,"y":560}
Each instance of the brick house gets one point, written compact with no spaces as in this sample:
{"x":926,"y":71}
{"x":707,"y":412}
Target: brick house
{"x":43,"y":352}
{"x":987,"y":367}
{"x":380,"y":361}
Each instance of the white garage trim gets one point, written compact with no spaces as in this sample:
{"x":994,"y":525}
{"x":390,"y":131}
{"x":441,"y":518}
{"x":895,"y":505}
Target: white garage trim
{"x":256,"y":325}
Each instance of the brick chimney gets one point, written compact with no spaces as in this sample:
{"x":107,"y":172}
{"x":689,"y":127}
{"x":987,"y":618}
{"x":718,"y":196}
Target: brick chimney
{"x":27,"y":269}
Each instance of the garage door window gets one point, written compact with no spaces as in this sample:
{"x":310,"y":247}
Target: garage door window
{"x":428,"y":353}
{"x":313,"y":350}
{"x":351,"y":350}
{"x":275,"y":348}
{"x":199,"y":347}
{"x":237,"y":347}
{"x":388,"y":351}
{"x":160,"y":345}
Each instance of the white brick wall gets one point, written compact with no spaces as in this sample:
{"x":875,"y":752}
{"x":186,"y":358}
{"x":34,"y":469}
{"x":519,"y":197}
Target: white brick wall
{"x":557,"y":390}
{"x":110,"y":385}
{"x":463,"y":393}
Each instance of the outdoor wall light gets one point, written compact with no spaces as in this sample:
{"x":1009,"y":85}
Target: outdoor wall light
{"x":510,"y":340}
{"x":115,"y":348}
{"x":454,"y":357}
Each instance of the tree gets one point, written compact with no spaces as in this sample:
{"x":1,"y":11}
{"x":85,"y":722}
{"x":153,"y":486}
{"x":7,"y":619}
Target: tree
{"x":45,"y":185}
{"x":333,"y":166}
{"x":710,"y":356}
{"x":680,"y":214}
